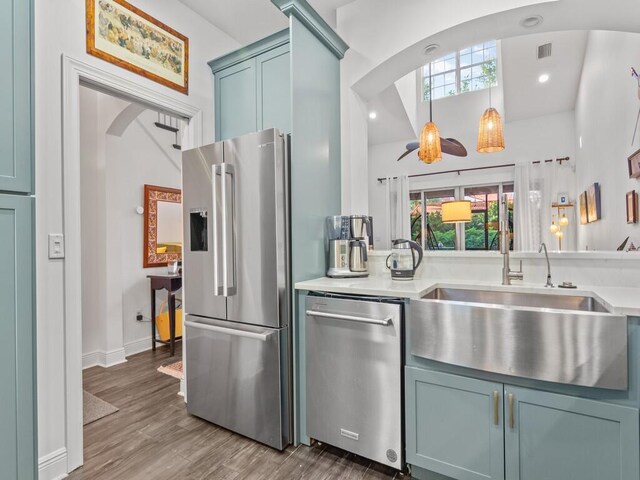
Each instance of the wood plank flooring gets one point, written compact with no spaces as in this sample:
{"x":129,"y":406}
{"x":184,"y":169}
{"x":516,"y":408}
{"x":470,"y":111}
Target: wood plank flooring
{"x":153,"y":437}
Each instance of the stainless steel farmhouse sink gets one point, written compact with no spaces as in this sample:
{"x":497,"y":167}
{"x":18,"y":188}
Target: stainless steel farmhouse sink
{"x":571,"y":339}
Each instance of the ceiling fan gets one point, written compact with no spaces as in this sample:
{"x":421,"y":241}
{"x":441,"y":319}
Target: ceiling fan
{"x":449,"y":145}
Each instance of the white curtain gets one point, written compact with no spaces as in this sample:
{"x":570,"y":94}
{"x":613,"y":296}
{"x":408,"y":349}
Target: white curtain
{"x":536,"y":187}
{"x":397,"y":210}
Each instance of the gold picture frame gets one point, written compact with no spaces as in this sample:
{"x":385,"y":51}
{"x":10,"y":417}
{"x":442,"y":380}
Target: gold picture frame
{"x":124,"y":35}
{"x":151,"y":256}
{"x":632,"y":207}
{"x":584,"y":209}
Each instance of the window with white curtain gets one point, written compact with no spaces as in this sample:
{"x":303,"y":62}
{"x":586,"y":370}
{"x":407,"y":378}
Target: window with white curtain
{"x":481,"y":233}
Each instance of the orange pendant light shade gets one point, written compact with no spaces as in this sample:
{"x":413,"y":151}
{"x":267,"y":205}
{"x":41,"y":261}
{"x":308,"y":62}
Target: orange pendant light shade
{"x":430,"y":150}
{"x":456,"y":211}
{"x":490,"y":136}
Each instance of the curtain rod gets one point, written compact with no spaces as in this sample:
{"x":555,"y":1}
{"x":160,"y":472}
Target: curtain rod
{"x":459,"y":170}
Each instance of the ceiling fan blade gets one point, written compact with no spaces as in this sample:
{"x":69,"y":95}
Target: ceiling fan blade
{"x":450,"y":146}
{"x":453,"y":147}
{"x":411,"y":146}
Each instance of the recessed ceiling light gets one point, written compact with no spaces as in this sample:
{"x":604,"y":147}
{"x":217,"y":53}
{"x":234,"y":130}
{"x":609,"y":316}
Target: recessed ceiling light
{"x":431,"y":48}
{"x":373,"y":115}
{"x":531,"y":21}
{"x":543,"y":78}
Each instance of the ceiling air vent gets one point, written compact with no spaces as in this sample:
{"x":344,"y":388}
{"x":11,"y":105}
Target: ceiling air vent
{"x":544,"y":51}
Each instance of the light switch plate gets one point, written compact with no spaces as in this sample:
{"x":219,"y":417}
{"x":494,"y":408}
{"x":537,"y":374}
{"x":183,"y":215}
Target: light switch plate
{"x":56,"y":245}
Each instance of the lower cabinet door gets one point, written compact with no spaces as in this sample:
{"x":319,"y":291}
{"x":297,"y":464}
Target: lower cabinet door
{"x":454,"y":425}
{"x":558,"y":437}
{"x":17,"y":375}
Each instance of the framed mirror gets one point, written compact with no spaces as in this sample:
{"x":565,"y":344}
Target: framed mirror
{"x":162,"y":226}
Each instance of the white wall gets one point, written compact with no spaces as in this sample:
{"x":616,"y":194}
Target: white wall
{"x":60,"y":29}
{"x":606,"y":111}
{"x":114,"y":170}
{"x":145,"y":157}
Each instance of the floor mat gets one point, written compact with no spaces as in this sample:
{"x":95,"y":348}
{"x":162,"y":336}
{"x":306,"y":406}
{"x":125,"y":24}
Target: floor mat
{"x":95,"y":408}
{"x":174,"y":370}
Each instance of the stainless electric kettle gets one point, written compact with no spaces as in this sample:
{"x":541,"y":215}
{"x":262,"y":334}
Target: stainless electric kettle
{"x":402,"y":262}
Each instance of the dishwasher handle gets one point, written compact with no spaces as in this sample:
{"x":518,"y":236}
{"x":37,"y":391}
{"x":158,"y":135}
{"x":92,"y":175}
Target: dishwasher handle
{"x":350,"y":318}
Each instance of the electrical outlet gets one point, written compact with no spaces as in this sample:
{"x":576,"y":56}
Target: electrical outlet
{"x":139,"y":316}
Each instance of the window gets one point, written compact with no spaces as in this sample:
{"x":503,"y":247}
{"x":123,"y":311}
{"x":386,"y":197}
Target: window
{"x":481,"y":233}
{"x":426,"y":223}
{"x":472,"y":68}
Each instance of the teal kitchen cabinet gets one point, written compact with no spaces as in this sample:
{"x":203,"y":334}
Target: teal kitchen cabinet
{"x":557,"y":437}
{"x":465,"y":428}
{"x":253,"y":88}
{"x":17,"y":355}
{"x":236,"y":100}
{"x":454,"y":425}
{"x":274,"y":89}
{"x":15,"y":94}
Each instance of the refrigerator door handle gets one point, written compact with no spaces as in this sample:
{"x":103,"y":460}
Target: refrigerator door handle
{"x":263,"y":337}
{"x":226,"y":222}
{"x":227,"y":169}
{"x":217,"y":288}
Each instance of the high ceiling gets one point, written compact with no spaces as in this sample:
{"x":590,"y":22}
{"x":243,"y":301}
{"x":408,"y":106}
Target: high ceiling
{"x":524,"y":95}
{"x":250,"y":20}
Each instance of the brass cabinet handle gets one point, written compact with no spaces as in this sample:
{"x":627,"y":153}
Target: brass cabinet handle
{"x":496,"y":405}
{"x":512,"y":421}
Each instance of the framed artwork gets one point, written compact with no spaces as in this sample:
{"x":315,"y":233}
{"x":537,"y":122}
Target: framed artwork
{"x":632,"y":207}
{"x":162,"y":226}
{"x":634,"y":164}
{"x":594,"y":212}
{"x":123,"y":35}
{"x":584,"y":209}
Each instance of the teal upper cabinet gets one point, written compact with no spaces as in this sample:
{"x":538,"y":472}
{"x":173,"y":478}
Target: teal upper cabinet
{"x":236,"y":104}
{"x":274,"y":89}
{"x":253,"y":88}
{"x":16,"y":97}
{"x":454,"y":425}
{"x":558,"y":437}
{"x":17,"y":377}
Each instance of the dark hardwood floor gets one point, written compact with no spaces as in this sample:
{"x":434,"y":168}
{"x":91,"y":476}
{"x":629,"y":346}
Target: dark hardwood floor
{"x":153,"y":437}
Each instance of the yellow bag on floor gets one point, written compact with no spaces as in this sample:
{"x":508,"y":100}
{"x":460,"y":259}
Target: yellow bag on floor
{"x":162,"y":321}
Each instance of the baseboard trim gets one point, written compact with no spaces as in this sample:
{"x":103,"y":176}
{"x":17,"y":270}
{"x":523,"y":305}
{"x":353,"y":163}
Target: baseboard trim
{"x":103,"y":359}
{"x":137,"y":346}
{"x":53,"y":466}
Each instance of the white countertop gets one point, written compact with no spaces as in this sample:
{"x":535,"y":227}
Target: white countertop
{"x":619,"y":300}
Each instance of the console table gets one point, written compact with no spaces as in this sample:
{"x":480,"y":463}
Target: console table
{"x":170,"y":283}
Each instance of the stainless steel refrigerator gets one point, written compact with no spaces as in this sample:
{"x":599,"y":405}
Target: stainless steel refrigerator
{"x":237,"y":285}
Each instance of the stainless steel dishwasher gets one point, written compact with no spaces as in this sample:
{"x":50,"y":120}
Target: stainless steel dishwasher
{"x":354,"y":374}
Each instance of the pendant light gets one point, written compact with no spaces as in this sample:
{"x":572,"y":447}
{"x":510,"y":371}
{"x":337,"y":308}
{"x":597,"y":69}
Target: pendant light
{"x":564,"y":220}
{"x":456,"y":211}
{"x":554,"y":228}
{"x":430,"y":150}
{"x":490,"y":136}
